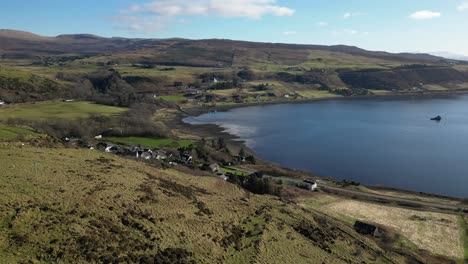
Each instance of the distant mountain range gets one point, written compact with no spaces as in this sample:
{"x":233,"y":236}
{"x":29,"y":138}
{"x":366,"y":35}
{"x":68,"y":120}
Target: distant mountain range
{"x":209,"y":52}
{"x":451,"y":56}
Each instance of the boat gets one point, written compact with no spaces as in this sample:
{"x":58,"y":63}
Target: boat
{"x":437,"y":118}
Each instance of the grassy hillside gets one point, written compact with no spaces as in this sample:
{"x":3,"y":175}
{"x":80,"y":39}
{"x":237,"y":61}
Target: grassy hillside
{"x":81,"y":206}
{"x":44,"y":110}
{"x":19,"y":85}
{"x":12,"y":133}
{"x":182,"y":71}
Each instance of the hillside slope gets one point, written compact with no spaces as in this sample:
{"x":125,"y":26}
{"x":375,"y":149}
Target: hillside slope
{"x":81,"y":206}
{"x":211,"y":52}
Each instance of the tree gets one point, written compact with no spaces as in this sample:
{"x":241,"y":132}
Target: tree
{"x":241,"y":153}
{"x":221,"y":143}
{"x":251,"y":159}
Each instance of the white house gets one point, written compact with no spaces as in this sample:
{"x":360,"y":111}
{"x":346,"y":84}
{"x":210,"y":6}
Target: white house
{"x":214,"y":167}
{"x":314,"y":187}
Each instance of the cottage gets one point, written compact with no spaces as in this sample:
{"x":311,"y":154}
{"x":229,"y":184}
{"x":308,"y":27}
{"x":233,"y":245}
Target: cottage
{"x":111,"y":149}
{"x":214,"y":167}
{"x":160,"y":155}
{"x":312,"y":185}
{"x":223,"y":176}
{"x":146,"y":155}
{"x":108,"y":149}
{"x":2,"y":102}
{"x":98,"y":137}
{"x":185,"y":158}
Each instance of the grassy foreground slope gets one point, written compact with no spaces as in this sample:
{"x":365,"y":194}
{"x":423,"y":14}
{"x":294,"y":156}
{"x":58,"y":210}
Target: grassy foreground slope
{"x":81,"y":206}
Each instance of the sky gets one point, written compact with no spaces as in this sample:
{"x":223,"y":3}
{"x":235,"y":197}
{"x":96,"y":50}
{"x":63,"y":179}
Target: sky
{"x":388,"y":25}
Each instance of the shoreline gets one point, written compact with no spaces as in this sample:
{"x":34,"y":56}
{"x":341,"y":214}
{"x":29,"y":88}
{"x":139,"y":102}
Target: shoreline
{"x":214,"y":130}
{"x":199,"y":110}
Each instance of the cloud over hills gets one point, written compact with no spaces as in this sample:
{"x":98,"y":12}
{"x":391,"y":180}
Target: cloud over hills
{"x":154,"y":15}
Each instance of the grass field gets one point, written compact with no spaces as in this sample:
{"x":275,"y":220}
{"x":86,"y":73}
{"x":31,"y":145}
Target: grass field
{"x":315,"y":94}
{"x":436,"y":232}
{"x":235,"y":172}
{"x":172,"y":98}
{"x":45,"y":110}
{"x":12,"y":133}
{"x":150,"y":142}
{"x":85,"y":206}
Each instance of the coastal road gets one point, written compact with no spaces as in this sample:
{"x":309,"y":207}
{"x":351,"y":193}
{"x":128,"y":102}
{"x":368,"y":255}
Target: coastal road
{"x":373,"y":196}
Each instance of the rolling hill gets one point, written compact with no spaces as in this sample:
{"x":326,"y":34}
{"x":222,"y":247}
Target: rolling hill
{"x":211,"y":52}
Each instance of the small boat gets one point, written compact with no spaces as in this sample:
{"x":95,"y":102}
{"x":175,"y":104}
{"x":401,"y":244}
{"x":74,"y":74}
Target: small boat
{"x":437,"y":118}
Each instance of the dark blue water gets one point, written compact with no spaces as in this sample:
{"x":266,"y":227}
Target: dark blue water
{"x":375,"y":142}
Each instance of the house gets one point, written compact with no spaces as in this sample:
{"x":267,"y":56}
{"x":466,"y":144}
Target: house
{"x":223,"y":176}
{"x":111,"y":149}
{"x":312,"y":185}
{"x":2,"y":102}
{"x":185,"y":158}
{"x":215,"y":80}
{"x":146,"y":155}
{"x":98,"y":137}
{"x":214,"y":167}
{"x":108,"y":149}
{"x":142,"y":153}
{"x":160,"y":155}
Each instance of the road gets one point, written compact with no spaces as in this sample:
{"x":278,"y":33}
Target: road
{"x":367,"y":195}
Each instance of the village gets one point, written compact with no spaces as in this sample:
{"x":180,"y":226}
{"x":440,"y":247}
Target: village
{"x":169,"y":158}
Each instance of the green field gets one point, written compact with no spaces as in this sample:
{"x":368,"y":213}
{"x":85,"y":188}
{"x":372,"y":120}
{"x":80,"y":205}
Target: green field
{"x":235,"y":172}
{"x":172,"y":98}
{"x":45,"y":110}
{"x":150,"y":142}
{"x":12,"y":133}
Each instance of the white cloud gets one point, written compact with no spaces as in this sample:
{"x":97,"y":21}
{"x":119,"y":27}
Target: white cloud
{"x":352,"y":14}
{"x":348,"y":32}
{"x":322,"y":24}
{"x":425,"y":14}
{"x":254,"y":9}
{"x":161,"y":11}
{"x":463,"y":6}
{"x":289,"y":33}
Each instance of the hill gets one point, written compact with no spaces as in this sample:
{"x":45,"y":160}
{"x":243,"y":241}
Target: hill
{"x":212,"y":52}
{"x":83,"y":206}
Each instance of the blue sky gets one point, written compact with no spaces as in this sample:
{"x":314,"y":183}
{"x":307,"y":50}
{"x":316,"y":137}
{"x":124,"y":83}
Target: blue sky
{"x":396,"y":25}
